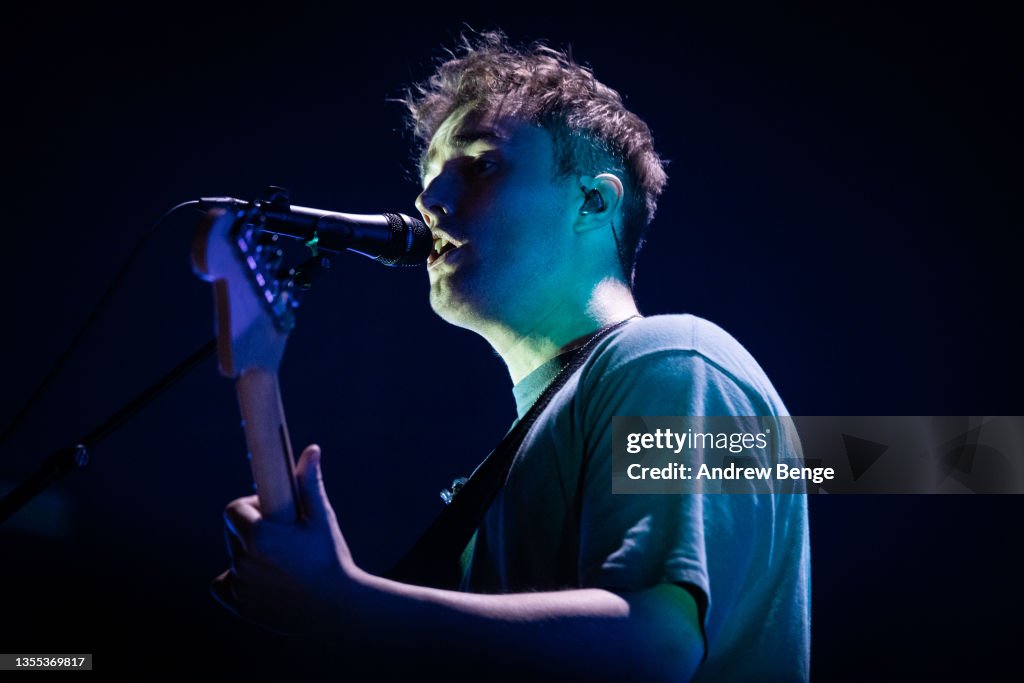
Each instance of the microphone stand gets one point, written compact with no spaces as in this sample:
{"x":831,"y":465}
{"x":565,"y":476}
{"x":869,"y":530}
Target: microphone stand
{"x":76,"y":457}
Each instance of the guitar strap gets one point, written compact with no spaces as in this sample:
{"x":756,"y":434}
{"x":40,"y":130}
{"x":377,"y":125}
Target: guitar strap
{"x":435,"y":558}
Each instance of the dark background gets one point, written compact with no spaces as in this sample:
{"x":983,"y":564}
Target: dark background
{"x":839,"y":200}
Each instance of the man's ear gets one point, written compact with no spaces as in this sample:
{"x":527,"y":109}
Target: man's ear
{"x":600,"y":201}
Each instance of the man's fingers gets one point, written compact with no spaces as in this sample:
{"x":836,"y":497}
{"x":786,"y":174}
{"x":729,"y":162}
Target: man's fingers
{"x":311,"y":484}
{"x":240,"y":518}
{"x":223,"y":591}
{"x":236,"y":548}
{"x":227,"y":590}
{"x":252,"y":501}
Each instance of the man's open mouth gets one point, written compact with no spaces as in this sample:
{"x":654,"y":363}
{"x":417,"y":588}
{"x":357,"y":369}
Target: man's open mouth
{"x":442,"y":245}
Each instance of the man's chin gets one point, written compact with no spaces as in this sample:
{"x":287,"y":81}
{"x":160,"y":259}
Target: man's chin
{"x":452,"y":308}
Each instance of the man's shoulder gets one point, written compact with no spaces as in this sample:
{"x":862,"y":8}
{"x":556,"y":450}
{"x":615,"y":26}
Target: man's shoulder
{"x":687,"y":341}
{"x":679,"y":334}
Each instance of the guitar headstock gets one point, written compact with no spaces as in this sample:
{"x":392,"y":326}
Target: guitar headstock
{"x":255,"y":297}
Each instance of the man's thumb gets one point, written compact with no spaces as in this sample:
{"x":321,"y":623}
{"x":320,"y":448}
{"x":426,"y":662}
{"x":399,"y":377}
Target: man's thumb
{"x":311,"y":484}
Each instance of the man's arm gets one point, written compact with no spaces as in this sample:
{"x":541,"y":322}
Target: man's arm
{"x":287,"y":572}
{"x":590,"y":633}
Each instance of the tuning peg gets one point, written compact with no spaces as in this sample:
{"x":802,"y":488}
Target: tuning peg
{"x":265,"y":241}
{"x":274,"y":260}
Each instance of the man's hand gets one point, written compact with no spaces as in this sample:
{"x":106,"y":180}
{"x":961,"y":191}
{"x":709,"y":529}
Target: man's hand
{"x":286,"y":576}
{"x":300,"y":578}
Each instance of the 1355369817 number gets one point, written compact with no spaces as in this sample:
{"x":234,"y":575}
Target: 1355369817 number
{"x":10,"y":662}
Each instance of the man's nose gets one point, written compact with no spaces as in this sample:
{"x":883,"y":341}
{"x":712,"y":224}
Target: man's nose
{"x":433,"y":202}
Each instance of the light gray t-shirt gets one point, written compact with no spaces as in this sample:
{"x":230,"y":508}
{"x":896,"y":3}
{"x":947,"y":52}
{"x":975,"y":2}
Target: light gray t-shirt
{"x":557,"y":525}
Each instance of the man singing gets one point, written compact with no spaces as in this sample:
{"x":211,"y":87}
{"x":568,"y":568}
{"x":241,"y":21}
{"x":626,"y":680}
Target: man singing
{"x":538,"y":186}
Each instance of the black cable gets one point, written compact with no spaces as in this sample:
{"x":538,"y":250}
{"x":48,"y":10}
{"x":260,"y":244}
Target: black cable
{"x":98,"y":309}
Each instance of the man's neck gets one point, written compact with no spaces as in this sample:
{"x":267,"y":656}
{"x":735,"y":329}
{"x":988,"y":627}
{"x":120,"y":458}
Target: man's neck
{"x":560,"y":328}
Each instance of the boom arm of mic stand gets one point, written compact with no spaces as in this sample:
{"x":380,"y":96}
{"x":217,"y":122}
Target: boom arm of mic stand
{"x":72,"y":458}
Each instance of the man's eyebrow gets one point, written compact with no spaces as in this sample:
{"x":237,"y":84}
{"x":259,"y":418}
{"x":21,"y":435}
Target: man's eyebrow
{"x":468,"y":137}
{"x":462,"y":140}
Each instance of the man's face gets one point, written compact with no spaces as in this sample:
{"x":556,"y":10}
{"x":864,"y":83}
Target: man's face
{"x":491,"y":191}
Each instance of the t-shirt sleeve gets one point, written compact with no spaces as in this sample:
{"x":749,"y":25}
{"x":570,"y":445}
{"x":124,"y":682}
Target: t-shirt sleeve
{"x":634,"y":541}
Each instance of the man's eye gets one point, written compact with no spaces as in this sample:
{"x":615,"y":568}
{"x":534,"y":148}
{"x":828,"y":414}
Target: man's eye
{"x":482,"y":164}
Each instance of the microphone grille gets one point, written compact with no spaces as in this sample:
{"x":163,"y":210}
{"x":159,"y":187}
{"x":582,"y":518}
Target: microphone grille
{"x":411,"y":241}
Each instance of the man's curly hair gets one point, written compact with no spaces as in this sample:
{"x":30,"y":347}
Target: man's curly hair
{"x":593,"y":132}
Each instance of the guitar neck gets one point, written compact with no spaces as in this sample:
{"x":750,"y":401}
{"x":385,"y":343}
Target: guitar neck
{"x":270,"y":448}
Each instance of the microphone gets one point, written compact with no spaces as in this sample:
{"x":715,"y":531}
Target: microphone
{"x":393,"y":239}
